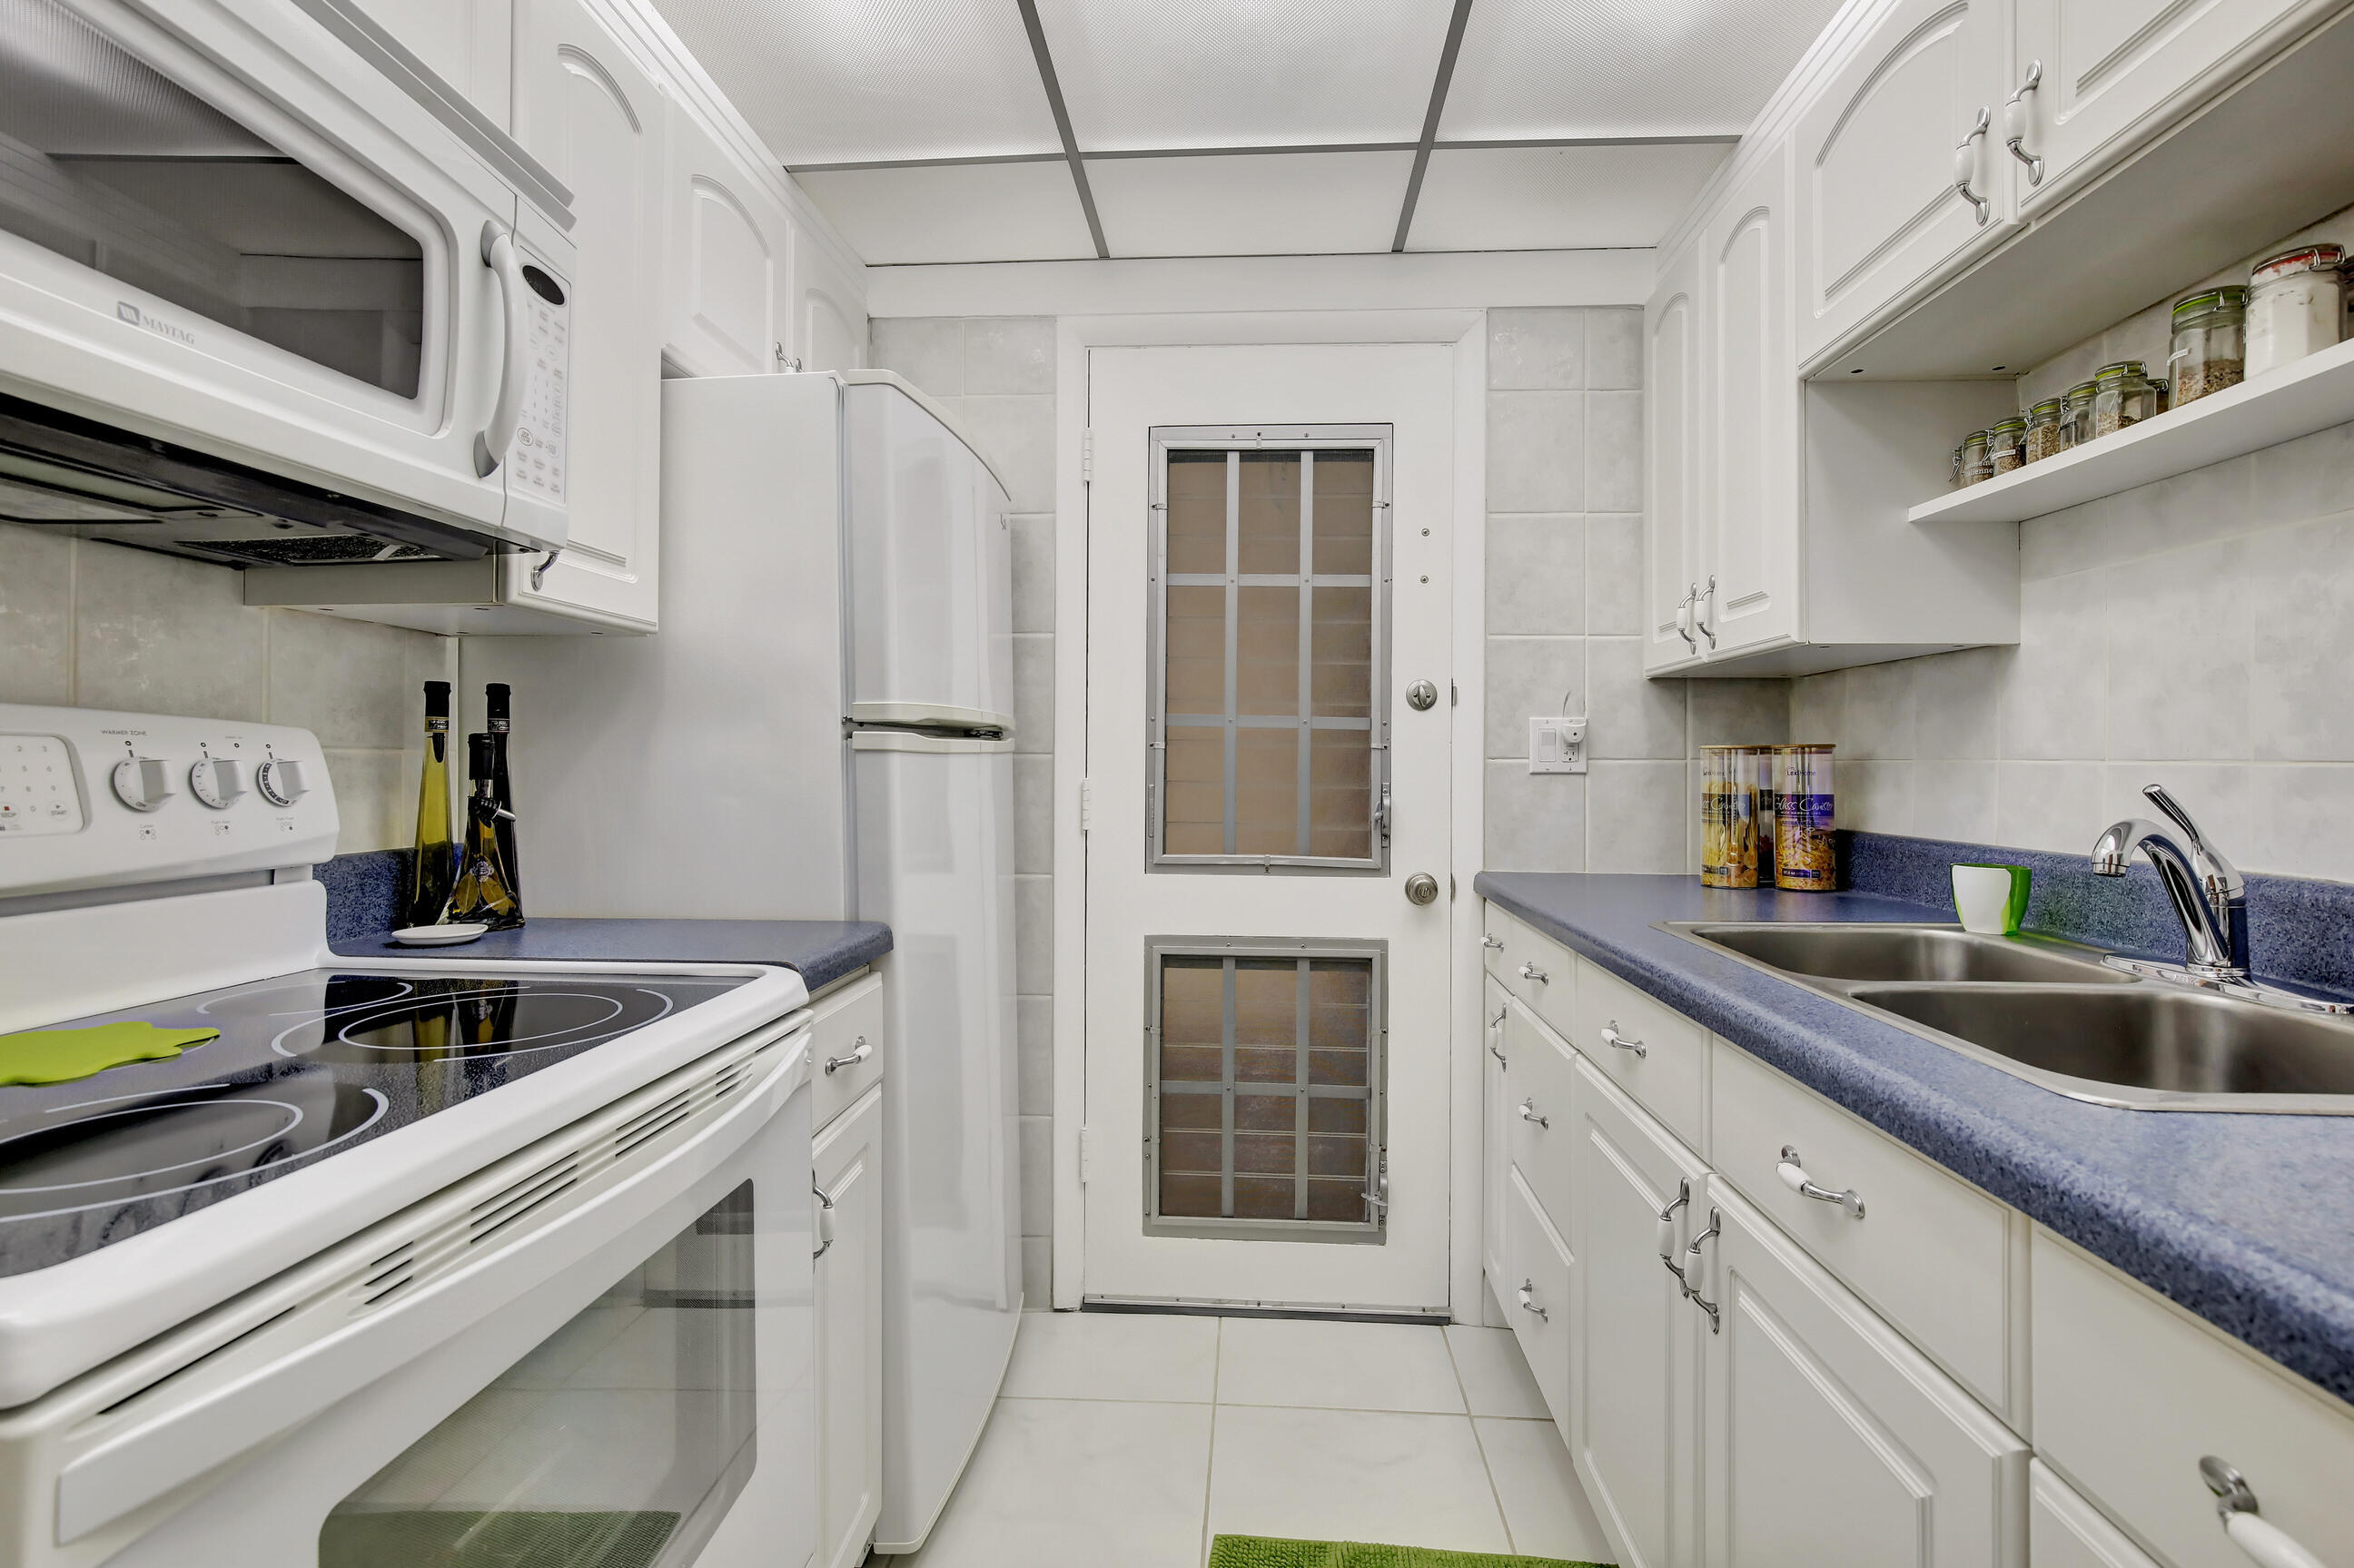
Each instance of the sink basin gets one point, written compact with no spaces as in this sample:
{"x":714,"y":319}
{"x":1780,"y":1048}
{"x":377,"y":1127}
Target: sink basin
{"x":2141,"y":1042}
{"x":1909,"y":953}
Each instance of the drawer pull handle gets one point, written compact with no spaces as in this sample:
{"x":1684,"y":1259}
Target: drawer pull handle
{"x":1617,"y":1041}
{"x":1692,"y":1291}
{"x":1490,"y":939}
{"x":1668,"y":1231}
{"x":1529,"y":1300}
{"x":1531,"y":972}
{"x":1496,"y":1036}
{"x":824,"y":1219}
{"x":858,"y":1053}
{"x":1794,"y":1176}
{"x":1529,"y":1112}
{"x":2266,"y":1544}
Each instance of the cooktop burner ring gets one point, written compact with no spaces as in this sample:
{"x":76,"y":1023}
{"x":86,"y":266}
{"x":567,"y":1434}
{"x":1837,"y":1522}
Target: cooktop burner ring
{"x":232,"y":1006}
{"x":571,"y":1035}
{"x":147,"y":1104}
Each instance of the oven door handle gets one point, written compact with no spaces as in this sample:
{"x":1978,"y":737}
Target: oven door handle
{"x":184,"y":1426}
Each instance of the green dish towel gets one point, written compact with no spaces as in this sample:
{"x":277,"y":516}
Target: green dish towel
{"x":434,"y":1537}
{"x":57,"y":1055}
{"x":1266,"y":1551}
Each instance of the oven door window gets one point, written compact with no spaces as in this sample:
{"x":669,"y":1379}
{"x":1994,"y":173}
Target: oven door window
{"x":110,"y":164}
{"x":619,"y":1442}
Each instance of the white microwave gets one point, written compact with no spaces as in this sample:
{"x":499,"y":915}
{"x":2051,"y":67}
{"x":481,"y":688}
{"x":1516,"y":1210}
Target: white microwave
{"x":270,"y":292}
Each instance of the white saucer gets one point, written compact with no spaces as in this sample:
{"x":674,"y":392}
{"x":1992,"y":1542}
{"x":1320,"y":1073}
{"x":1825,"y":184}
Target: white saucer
{"x":439,"y":935}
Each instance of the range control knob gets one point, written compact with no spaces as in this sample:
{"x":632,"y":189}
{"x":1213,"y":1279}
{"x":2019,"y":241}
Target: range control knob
{"x":142,"y":783}
{"x":216,"y":780}
{"x":279,"y":780}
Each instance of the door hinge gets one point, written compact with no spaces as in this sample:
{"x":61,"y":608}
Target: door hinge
{"x":1086,"y":805}
{"x":1087,"y":1154}
{"x":1086,"y":457}
{"x":1454,"y":694}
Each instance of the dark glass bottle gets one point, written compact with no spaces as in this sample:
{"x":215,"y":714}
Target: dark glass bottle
{"x":436,"y":863}
{"x":482,"y":891}
{"x":494,"y":700}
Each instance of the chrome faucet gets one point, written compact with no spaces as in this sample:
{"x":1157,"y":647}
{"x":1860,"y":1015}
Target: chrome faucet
{"x":2209,"y":894}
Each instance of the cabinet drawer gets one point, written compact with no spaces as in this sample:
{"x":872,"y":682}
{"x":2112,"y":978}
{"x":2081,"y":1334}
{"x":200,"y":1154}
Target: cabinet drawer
{"x":848,"y":1030}
{"x":1930,"y":1252}
{"x":2131,"y":1392}
{"x":1535,"y":1294}
{"x":1532,"y":966}
{"x":1660,"y":1057}
{"x":2063,"y":1531}
{"x":1538,"y":1128}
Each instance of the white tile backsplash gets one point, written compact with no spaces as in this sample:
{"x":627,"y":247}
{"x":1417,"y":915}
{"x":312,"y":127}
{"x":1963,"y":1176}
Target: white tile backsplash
{"x":1536,"y":451}
{"x":1536,"y":574}
{"x":36,"y":638}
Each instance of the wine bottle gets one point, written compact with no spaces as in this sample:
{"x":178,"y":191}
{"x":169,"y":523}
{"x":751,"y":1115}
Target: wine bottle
{"x":435,"y":863}
{"x":482,"y":891}
{"x":494,"y":698}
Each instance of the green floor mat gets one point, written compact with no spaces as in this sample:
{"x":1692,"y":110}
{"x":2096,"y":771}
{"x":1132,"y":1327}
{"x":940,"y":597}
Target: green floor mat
{"x":431,"y":1538}
{"x":1265,"y":1552}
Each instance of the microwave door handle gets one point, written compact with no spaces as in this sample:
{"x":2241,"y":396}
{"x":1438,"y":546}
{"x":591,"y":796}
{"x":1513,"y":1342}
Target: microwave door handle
{"x":499,"y":256}
{"x":183,"y":1434}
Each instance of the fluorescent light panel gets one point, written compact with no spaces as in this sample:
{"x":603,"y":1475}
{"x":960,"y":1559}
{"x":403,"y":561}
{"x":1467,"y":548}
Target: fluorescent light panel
{"x":1282,"y":204}
{"x":970,"y":212}
{"x":1557,"y":198}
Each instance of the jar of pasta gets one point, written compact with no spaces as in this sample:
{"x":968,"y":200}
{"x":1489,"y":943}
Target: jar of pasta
{"x":1806,"y":856}
{"x":1728,"y":817}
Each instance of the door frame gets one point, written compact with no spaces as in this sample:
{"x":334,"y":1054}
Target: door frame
{"x":1465,"y":331}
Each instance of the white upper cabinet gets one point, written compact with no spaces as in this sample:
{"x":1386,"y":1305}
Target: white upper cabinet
{"x":588,"y":111}
{"x":730,"y":285}
{"x":1882,"y":150}
{"x":829,"y":326}
{"x":1672,"y":460}
{"x":2103,"y":69}
{"x":467,"y":43}
{"x":1748,"y":560}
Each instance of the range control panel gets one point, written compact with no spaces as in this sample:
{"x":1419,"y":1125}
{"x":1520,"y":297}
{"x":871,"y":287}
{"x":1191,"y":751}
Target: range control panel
{"x":94,"y":799}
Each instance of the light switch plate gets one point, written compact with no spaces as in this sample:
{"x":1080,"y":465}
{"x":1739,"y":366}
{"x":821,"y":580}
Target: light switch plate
{"x":1556,"y":745}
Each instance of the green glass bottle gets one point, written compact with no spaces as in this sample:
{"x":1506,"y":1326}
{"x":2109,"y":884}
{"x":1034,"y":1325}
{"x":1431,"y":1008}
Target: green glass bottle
{"x":483,"y":891}
{"x":436,"y":865}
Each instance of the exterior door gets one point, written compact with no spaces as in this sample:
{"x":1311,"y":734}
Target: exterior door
{"x":1268,"y":737}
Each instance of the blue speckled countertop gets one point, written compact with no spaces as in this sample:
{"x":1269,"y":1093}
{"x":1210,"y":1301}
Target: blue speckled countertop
{"x":823,"y":952}
{"x":2247,"y":1221}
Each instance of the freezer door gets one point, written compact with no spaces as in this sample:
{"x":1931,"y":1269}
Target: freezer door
{"x":931,"y":551}
{"x":936,"y":863}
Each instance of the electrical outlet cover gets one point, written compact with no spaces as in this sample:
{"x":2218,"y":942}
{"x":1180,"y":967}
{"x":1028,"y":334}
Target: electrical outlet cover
{"x":1556,"y":745}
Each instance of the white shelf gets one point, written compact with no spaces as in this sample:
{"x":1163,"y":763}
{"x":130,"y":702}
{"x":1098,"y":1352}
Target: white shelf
{"x":2311,"y":395}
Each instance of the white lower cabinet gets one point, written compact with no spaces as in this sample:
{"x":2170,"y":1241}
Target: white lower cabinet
{"x":848,"y":1175}
{"x":1828,"y":1437}
{"x":1634,"y":1395}
{"x":2063,"y":1531}
{"x":1495,"y":1162}
{"x":1537,"y":1279}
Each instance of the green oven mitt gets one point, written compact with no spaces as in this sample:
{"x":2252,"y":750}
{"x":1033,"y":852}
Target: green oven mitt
{"x":56,"y":1055}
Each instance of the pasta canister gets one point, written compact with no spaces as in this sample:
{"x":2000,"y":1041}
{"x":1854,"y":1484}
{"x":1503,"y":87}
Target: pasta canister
{"x":1728,"y":817}
{"x":1805,"y":856}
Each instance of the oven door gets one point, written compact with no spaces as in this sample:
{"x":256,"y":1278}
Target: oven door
{"x":221,"y":225}
{"x":597,"y":1353}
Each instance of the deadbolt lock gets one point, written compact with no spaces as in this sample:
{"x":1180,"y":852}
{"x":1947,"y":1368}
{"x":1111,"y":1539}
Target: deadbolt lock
{"x":1422,"y":697}
{"x":1422,"y":888}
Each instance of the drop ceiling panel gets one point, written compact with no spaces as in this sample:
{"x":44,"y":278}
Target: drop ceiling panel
{"x":961,"y":212}
{"x":1245,"y":73}
{"x":1557,"y":198}
{"x":1284,"y":204}
{"x":838,"y":82}
{"x":1605,"y":67}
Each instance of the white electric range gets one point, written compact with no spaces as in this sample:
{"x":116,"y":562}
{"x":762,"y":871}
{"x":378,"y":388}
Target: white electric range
{"x":412,"y":1261}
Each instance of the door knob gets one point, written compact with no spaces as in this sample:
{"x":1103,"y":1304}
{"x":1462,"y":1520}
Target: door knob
{"x":1422,"y":697}
{"x":1422,"y":888}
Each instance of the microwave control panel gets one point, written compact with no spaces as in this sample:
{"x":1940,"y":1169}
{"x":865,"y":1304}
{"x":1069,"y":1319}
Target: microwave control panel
{"x":535,"y":461}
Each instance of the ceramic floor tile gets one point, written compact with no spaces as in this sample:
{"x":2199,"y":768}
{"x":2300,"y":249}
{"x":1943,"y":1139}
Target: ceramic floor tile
{"x":1336,"y":1366}
{"x":1079,"y":1483}
{"x":1114,"y":1355}
{"x":1495,"y":1374}
{"x":1544,"y":1505}
{"x":1332,"y":1475}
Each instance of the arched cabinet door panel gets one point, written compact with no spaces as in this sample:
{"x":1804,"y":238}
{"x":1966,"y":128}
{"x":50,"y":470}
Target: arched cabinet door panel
{"x":730,"y":262}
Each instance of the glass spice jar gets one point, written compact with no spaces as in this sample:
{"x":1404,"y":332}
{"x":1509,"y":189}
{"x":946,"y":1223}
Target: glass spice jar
{"x":2297,"y":306}
{"x":2123,"y":395}
{"x":2076,"y":414}
{"x":2209,"y":350}
{"x":2043,"y":438}
{"x":1978,"y":465}
{"x":2006,"y":444}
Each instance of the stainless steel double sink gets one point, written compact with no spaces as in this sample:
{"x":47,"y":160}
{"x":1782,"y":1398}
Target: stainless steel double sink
{"x":2050,"y":1012}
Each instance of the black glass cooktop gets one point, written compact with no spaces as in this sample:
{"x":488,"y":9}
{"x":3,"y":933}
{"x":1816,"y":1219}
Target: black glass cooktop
{"x":306,"y":1065}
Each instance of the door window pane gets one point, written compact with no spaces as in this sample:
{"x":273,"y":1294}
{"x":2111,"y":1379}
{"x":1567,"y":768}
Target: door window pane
{"x":1266,"y":1091}
{"x":619,"y":1442}
{"x":1268,"y":645}
{"x":112,"y":164}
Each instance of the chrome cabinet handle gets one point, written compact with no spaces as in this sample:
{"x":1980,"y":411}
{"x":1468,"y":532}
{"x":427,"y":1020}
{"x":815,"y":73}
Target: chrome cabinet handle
{"x":1692,"y":1291}
{"x":1489,"y":939}
{"x":1529,"y":1300}
{"x":1966,"y":166}
{"x":1794,"y":1176}
{"x":2017,"y":116}
{"x":1668,"y":1231}
{"x":1709,"y":595}
{"x":858,"y":1053}
{"x":1529,"y":1112}
{"x":1684,"y":618}
{"x":1496,"y":1035}
{"x":824,"y":1220}
{"x":1617,"y":1041}
{"x":2265,"y":1544}
{"x":1531,"y":972}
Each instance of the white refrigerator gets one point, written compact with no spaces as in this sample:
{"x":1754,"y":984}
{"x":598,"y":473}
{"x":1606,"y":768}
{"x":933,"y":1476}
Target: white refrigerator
{"x":823,"y":728}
